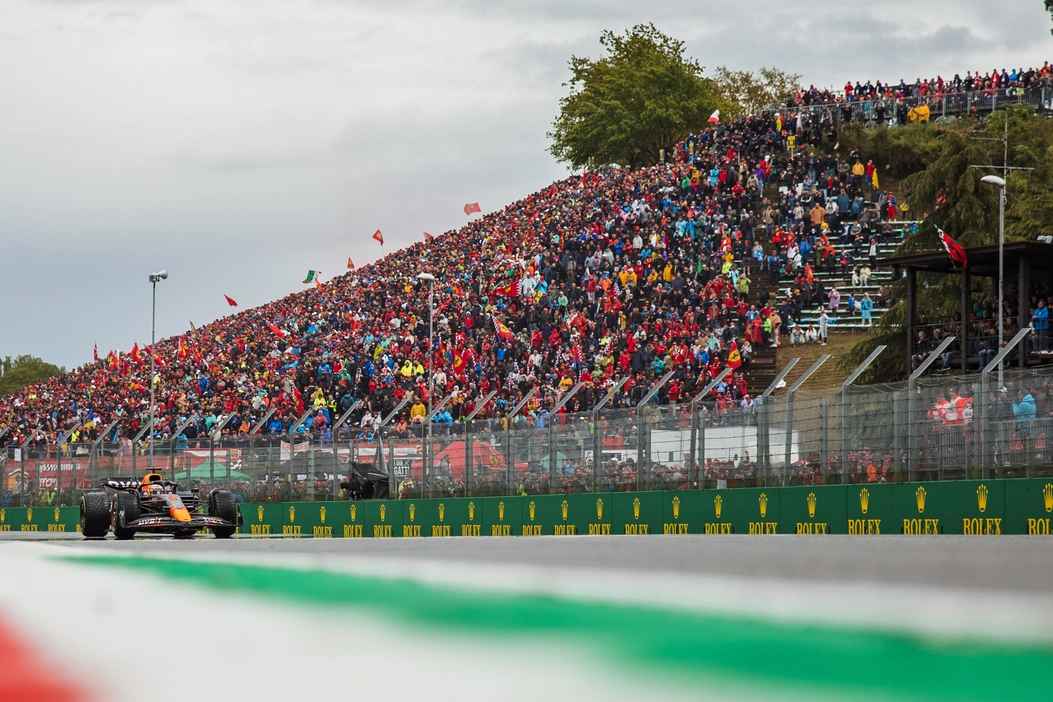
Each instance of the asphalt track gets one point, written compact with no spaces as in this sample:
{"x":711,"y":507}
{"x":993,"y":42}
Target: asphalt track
{"x":1005,"y":563}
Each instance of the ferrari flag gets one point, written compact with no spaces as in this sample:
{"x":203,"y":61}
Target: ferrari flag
{"x":954,"y":249}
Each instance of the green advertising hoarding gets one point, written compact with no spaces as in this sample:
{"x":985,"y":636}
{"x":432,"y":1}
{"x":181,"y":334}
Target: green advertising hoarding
{"x":970,"y":507}
{"x":53,"y":519}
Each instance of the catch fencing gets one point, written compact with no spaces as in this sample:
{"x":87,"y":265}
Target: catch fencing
{"x":940,"y":427}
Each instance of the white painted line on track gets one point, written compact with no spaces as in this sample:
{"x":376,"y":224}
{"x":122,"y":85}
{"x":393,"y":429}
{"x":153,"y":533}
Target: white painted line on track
{"x":940,"y":613}
{"x":130,"y":635}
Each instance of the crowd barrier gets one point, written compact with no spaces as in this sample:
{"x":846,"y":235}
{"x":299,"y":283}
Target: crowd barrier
{"x":970,"y":507}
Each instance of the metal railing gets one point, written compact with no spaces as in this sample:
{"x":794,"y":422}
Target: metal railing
{"x":945,"y":428}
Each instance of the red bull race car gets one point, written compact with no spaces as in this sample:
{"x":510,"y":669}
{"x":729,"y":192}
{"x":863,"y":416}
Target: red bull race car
{"x":156,"y":506}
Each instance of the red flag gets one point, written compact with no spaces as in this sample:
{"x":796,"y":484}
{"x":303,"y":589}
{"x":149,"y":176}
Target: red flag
{"x":954,"y":249}
{"x":715,"y":117}
{"x":276,"y":330}
{"x":317,"y":284}
{"x":96,"y":353}
{"x":428,"y":237}
{"x":379,"y":237}
{"x":503,"y":331}
{"x":350,"y":265}
{"x":471,"y":207}
{"x":182,"y":352}
{"x":230,"y":301}
{"x":510,"y":290}
{"x":459,"y":364}
{"x":734,"y":357}
{"x":136,"y":356}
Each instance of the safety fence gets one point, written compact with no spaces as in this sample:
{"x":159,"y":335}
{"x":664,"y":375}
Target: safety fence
{"x":939,"y":427}
{"x":969,"y":507}
{"x":940,"y":105}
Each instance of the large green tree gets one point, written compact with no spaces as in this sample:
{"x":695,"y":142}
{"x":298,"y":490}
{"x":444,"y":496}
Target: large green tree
{"x":643,"y":96}
{"x":943,"y":189}
{"x":24,"y":370}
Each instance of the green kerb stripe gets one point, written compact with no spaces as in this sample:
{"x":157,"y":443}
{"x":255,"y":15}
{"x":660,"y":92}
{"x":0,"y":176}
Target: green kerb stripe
{"x":837,"y":662}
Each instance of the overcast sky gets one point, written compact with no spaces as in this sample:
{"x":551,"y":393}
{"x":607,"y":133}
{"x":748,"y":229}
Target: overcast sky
{"x":240,"y":144}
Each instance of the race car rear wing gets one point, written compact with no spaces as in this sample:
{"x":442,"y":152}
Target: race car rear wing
{"x":121,"y":483}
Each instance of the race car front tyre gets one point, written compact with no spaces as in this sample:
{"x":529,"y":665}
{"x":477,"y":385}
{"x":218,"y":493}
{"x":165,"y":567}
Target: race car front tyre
{"x":94,"y":515}
{"x":129,"y":503}
{"x":222,"y":504}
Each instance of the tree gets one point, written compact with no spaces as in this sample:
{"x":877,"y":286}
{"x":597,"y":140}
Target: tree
{"x":746,"y":93}
{"x":23,"y":371}
{"x":624,"y":108}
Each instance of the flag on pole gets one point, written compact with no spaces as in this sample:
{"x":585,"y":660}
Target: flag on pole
{"x":96,"y":353}
{"x":510,"y":290}
{"x":428,"y":236}
{"x":350,"y":264}
{"x":954,"y":249}
{"x":379,"y":237}
{"x":193,"y":328}
{"x":277,"y":332}
{"x":230,"y":301}
{"x":317,"y":284}
{"x":311,"y":275}
{"x":503,"y":331}
{"x":715,"y":117}
{"x":136,"y":356}
{"x":472,"y":207}
{"x":734,"y":357}
{"x":182,"y":352}
{"x":459,"y":364}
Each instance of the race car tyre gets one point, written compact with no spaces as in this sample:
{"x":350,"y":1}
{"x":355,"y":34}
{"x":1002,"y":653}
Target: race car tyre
{"x":222,"y":504}
{"x":129,"y":502}
{"x":94,"y":515}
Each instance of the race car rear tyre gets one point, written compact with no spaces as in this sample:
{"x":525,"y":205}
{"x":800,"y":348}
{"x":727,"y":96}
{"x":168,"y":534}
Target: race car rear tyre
{"x":95,"y":515}
{"x":223,"y":505}
{"x":129,"y":502}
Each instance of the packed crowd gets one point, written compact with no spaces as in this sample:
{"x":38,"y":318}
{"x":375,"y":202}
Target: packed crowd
{"x":1003,"y":82}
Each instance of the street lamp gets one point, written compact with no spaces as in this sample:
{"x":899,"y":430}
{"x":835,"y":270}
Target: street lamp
{"x":431,"y":372}
{"x":154,"y":277}
{"x":1000,"y":184}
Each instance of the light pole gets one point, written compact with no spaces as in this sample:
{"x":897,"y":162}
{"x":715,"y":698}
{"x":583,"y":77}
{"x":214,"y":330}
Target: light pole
{"x":431,"y":375}
{"x":1000,"y":184}
{"x":154,"y":277}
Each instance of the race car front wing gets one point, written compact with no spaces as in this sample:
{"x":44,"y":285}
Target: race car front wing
{"x":197,"y":521}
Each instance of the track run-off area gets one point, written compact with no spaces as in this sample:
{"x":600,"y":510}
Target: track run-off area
{"x":729,"y":617}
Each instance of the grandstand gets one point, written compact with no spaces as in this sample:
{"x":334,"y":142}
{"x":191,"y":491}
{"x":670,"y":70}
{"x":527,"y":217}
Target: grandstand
{"x":595,"y":289}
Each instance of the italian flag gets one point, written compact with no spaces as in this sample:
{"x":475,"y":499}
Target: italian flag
{"x":312,"y":275}
{"x":433,"y":623}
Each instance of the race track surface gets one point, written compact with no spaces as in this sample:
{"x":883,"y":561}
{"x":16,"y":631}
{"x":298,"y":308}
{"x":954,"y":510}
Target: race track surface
{"x":1012,"y":563}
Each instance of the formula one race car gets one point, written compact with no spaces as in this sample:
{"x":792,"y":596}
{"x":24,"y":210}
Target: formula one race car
{"x":158,"y":506}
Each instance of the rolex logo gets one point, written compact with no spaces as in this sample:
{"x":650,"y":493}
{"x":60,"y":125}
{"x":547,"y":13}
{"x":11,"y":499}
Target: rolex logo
{"x":29,"y":514}
{"x":636,"y":508}
{"x":864,"y":500}
{"x":383,"y":510}
{"x":354,"y":511}
{"x":259,"y":513}
{"x":442,"y":511}
{"x":676,"y":508}
{"x":56,"y":514}
{"x":763,"y":502}
{"x":565,"y":505}
{"x":981,"y":498}
{"x":500,"y":511}
{"x":718,"y":503}
{"x":531,"y":506}
{"x":412,"y":510}
{"x":1047,"y":499}
{"x":471,"y":511}
{"x":3,"y":513}
{"x":292,"y":513}
{"x":919,"y":494}
{"x":321,"y":513}
{"x":599,"y":508}
{"x":811,"y":505}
